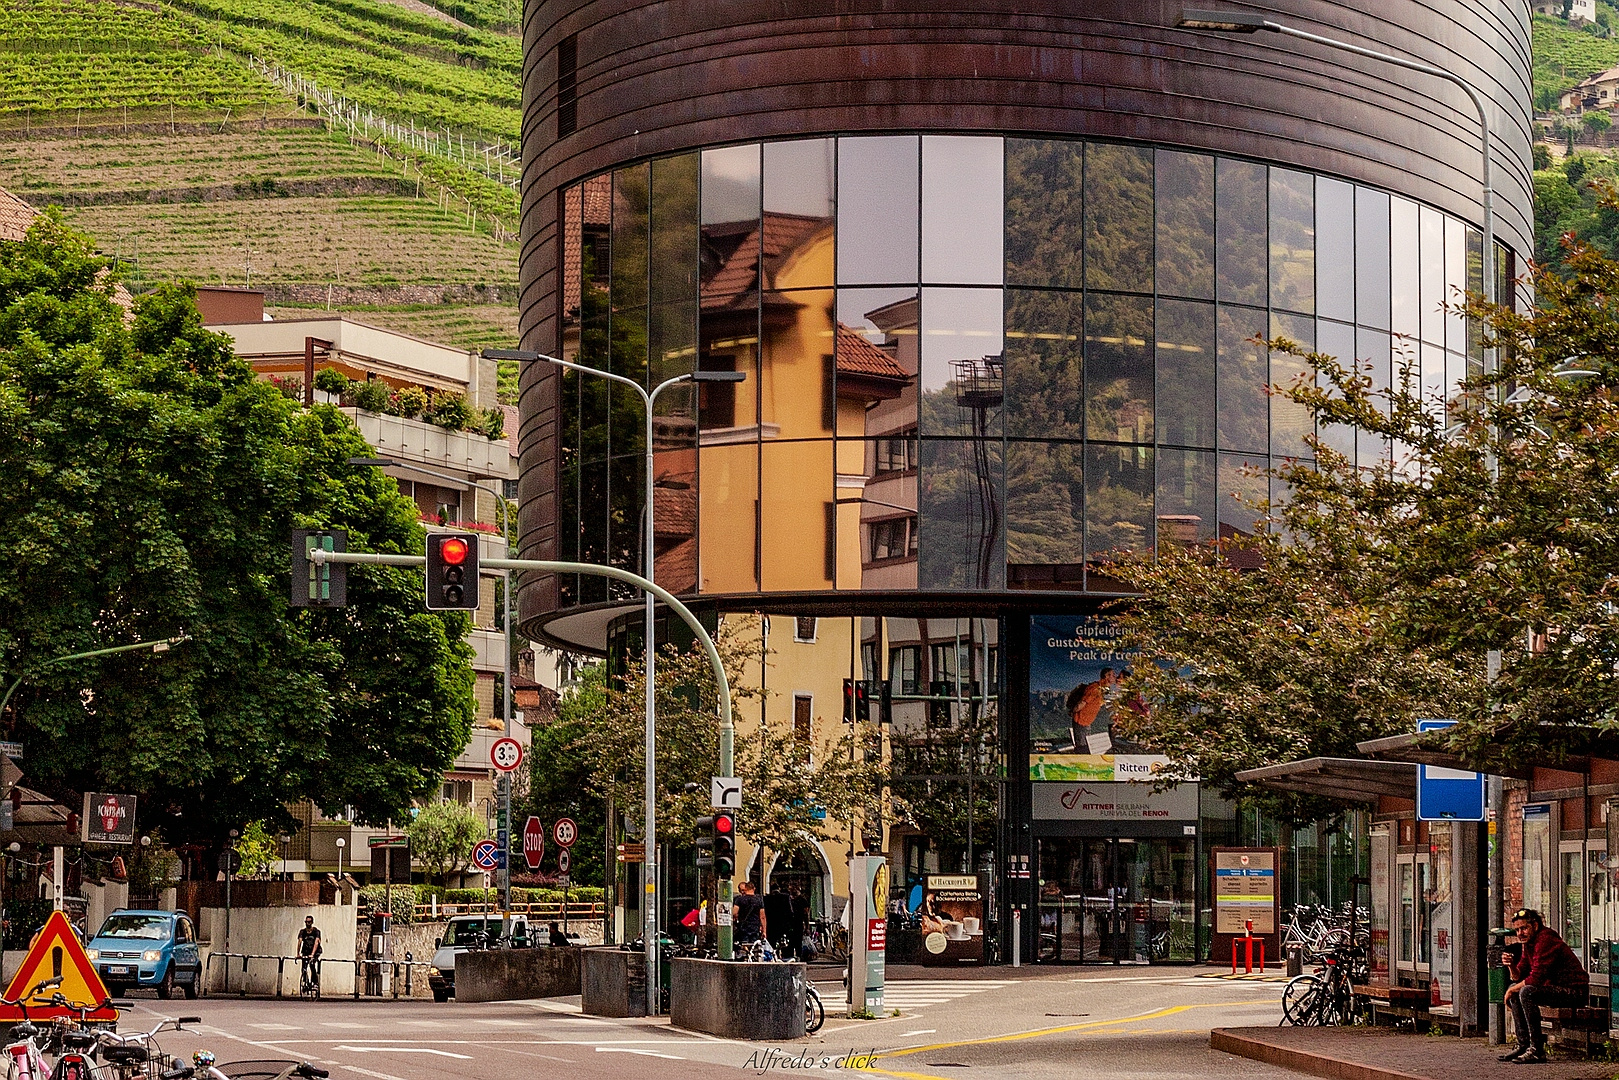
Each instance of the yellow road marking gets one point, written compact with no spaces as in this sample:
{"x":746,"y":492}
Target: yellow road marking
{"x":1018,"y":1036}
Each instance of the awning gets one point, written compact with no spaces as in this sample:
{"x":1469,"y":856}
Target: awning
{"x":1352,"y":780}
{"x":1565,"y":747}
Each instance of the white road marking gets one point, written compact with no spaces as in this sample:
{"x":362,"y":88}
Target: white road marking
{"x":922,"y":1031}
{"x":342,"y":1024}
{"x":643,"y":1053}
{"x":277,"y":1027}
{"x":500,"y":1023}
{"x":402,"y":1050}
{"x":368,"y":1072}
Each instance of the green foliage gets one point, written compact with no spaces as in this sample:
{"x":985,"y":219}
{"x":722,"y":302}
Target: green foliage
{"x":409,"y":401}
{"x":1568,"y":205}
{"x":258,"y":849}
{"x":405,"y":898}
{"x":372,"y":394}
{"x":554,"y":779}
{"x":152,"y":483}
{"x":442,"y":835}
{"x":448,"y":411}
{"x":331,"y":380}
{"x":1542,"y":157}
{"x":1564,"y":54}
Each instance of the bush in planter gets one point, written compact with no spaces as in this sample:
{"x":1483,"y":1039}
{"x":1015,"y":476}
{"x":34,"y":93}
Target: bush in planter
{"x":409,"y":402}
{"x":493,"y":423}
{"x":371,"y":395}
{"x":331,"y":381}
{"x":448,"y":411}
{"x":404,"y":902}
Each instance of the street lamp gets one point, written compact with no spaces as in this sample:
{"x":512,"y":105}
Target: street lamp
{"x":161,"y":645}
{"x":1239,"y":22}
{"x":506,"y":612}
{"x":650,"y":838}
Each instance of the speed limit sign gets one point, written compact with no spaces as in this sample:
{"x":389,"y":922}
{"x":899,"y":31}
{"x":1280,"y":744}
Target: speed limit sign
{"x":565,"y":832}
{"x":506,"y":754}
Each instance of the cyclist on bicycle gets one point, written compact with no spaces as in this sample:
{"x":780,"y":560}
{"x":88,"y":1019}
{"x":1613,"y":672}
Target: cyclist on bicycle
{"x":309,"y":951}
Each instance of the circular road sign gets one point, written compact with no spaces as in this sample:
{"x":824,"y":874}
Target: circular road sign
{"x":506,"y":754}
{"x":486,"y":854}
{"x":565,"y":832}
{"x":564,"y":860}
{"x":533,"y":842}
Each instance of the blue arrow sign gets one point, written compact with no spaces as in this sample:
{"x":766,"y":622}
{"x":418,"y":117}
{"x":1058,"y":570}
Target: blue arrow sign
{"x":1448,"y":794}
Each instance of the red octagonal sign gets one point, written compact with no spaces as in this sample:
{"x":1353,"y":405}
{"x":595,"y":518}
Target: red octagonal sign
{"x":533,"y":842}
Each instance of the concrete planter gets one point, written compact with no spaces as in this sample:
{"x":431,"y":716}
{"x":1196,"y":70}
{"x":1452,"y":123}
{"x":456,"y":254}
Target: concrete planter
{"x":612,"y":982}
{"x":737,"y":1000}
{"x":516,"y":974}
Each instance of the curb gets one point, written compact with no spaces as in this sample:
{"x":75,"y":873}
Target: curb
{"x":1301,"y":1060}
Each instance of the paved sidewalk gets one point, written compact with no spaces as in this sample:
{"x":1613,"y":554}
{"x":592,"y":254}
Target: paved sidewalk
{"x":1361,"y":1053}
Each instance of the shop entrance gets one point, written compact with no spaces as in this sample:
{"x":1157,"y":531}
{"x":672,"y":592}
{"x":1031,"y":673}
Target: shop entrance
{"x":1110,"y":900}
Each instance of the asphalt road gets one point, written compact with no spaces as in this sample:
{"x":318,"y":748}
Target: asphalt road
{"x":1121,"y":1023}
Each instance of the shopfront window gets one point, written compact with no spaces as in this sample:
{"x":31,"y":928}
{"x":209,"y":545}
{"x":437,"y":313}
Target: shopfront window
{"x":1539,"y":855}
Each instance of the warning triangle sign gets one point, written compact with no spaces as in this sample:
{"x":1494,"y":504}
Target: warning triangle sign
{"x":56,"y":953}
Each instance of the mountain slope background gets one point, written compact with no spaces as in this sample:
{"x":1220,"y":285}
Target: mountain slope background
{"x":345,"y":155}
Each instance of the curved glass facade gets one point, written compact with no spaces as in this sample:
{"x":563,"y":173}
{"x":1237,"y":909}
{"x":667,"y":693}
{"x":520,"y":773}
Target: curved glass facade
{"x":974,"y":363}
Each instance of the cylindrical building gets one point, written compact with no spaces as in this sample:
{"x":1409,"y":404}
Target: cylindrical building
{"x":996,"y":275}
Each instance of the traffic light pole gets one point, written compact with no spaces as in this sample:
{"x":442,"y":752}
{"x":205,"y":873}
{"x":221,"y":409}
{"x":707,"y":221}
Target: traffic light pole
{"x":727,"y":727}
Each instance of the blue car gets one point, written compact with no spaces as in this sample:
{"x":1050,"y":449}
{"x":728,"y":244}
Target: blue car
{"x":147,"y":949}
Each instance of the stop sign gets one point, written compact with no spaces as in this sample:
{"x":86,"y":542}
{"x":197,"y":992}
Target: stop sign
{"x":533,"y":842}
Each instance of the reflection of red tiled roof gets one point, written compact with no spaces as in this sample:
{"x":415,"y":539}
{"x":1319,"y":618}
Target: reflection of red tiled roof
{"x":740,"y":274}
{"x":857,"y":356}
{"x":598,"y":201}
{"x":675,"y":510}
{"x":591,"y":206}
{"x":15,"y":216}
{"x":677,"y":567}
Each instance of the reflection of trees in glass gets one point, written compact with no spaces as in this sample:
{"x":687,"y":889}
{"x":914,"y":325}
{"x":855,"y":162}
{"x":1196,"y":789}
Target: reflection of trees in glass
{"x":1044,"y":360}
{"x":959,"y":494}
{"x":1118,"y":217}
{"x":1118,"y":368}
{"x":941,"y":808}
{"x":1290,"y":421}
{"x":1185,"y":376}
{"x":1240,"y":235}
{"x":1185,"y":219}
{"x":1044,"y":219}
{"x":1244,"y":408}
{"x":674,"y":228}
{"x":1185,"y":512}
{"x":1045,"y":498}
{"x":1292,"y":240}
{"x":631,"y":195}
{"x":1118,"y":499}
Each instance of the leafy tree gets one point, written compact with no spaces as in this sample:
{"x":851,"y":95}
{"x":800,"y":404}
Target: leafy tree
{"x":257,"y":848}
{"x":1385,"y":589}
{"x":1542,"y":157}
{"x":554,"y":780}
{"x":152,"y":481}
{"x":442,"y":835}
{"x":1596,"y":122}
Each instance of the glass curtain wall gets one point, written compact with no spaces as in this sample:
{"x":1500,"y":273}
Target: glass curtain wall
{"x":973,"y":363}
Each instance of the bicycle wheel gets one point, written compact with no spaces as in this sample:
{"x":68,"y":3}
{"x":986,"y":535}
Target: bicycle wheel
{"x":1301,"y":1001}
{"x":814,"y":1011}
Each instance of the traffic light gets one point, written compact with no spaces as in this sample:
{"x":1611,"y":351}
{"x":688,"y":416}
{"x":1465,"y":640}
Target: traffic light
{"x":318,"y":584}
{"x":705,"y":842}
{"x":848,"y":701}
{"x":856,"y":701}
{"x":724,"y":844}
{"x":452,"y":572}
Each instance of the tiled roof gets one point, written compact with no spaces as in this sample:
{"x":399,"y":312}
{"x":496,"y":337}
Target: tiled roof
{"x":741,"y":273}
{"x":1609,"y":75}
{"x":675,"y":510}
{"x":15,"y":216}
{"x":857,"y":356}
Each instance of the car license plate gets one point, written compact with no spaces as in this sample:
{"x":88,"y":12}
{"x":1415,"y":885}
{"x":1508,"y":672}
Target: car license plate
{"x":122,"y":969}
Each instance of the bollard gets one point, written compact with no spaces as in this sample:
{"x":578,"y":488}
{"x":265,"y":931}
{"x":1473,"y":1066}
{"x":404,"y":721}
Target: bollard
{"x":393,"y":978}
{"x":409,"y":963}
{"x":243,"y":991}
{"x":1262,"y":956}
{"x":356,"y":979}
{"x":280,"y":971}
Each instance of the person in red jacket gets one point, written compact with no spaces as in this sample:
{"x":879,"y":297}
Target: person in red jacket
{"x":1545,"y":972}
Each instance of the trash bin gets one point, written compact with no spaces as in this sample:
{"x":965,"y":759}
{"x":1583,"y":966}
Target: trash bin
{"x":1498,"y":973}
{"x":1295,"y":961}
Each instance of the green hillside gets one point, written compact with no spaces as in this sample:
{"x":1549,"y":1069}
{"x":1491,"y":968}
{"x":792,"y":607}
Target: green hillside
{"x":279,"y":142}
{"x":1564,"y":54}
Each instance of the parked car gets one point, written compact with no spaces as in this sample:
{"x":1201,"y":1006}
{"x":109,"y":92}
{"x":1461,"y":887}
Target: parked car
{"x":466,"y":932}
{"x":147,"y":949}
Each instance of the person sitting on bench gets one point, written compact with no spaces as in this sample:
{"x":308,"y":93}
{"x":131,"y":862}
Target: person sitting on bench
{"x":1545,"y":972}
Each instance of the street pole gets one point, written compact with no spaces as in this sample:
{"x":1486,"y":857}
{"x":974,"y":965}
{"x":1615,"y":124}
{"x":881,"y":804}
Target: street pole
{"x":1247,"y":23}
{"x":505,"y":782}
{"x":650,"y":893}
{"x":161,"y":645}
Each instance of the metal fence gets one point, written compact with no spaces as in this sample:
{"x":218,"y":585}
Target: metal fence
{"x":368,"y":973}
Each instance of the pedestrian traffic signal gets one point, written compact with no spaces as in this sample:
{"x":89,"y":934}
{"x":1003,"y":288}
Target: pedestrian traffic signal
{"x":705,"y":842}
{"x":318,"y":584}
{"x":452,"y":572}
{"x":856,"y":701}
{"x":724,"y":844}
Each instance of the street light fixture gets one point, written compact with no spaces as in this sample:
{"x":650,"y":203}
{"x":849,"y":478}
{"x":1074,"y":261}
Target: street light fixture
{"x":506,"y":613}
{"x":161,"y":645}
{"x":1241,"y":22}
{"x":650,"y":890}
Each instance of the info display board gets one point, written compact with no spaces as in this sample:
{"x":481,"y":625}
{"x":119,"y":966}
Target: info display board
{"x":1246,"y":891}
{"x":953,"y":920}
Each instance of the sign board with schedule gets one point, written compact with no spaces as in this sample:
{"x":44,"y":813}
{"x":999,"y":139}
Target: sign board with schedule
{"x":1245,"y":891}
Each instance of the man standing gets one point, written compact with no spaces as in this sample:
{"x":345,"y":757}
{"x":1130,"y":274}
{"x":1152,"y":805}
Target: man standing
{"x":749,"y":915}
{"x":1544,"y":972}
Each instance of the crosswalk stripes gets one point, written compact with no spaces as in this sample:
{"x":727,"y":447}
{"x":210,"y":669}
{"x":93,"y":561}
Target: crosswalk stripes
{"x":914,"y":993}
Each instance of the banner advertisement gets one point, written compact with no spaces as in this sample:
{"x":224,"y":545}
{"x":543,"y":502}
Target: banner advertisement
{"x":107,"y":819}
{"x":1074,"y":695}
{"x":952,"y":916}
{"x":868,"y":933}
{"x":1441,"y":920}
{"x":1114,"y":800}
{"x":1382,"y":856}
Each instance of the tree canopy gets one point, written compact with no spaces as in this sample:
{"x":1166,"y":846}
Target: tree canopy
{"x":1385,"y":589}
{"x":152,"y":483}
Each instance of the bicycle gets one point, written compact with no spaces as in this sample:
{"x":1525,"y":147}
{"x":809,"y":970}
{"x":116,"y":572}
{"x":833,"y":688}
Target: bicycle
{"x":135,"y":1055}
{"x":831,"y":941}
{"x":205,"y":1069}
{"x":814,"y":1011}
{"x":309,"y":977}
{"x":26,"y":1054}
{"x":1326,"y":997}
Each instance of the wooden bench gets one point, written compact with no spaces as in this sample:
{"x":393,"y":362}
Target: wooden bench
{"x":1574,"y":1029}
{"x":1389,"y":1002}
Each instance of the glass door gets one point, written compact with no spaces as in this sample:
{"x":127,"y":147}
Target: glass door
{"x":1117,"y":900}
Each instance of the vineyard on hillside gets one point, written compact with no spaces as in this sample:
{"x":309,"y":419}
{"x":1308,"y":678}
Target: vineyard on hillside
{"x":1563,"y":55}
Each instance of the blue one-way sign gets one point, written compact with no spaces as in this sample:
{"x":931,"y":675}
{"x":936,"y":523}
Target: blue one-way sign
{"x":1448,"y":794}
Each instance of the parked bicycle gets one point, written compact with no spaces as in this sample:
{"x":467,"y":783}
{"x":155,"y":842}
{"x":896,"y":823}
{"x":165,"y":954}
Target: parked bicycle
{"x":814,"y":1011}
{"x":136,"y":1055}
{"x":1326,"y":997}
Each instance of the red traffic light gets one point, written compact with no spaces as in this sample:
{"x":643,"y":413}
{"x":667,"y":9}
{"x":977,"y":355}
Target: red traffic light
{"x":724,"y":824}
{"x":453,"y":550}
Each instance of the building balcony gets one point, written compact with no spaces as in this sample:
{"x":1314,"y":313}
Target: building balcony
{"x":488,"y":647}
{"x":417,"y":442}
